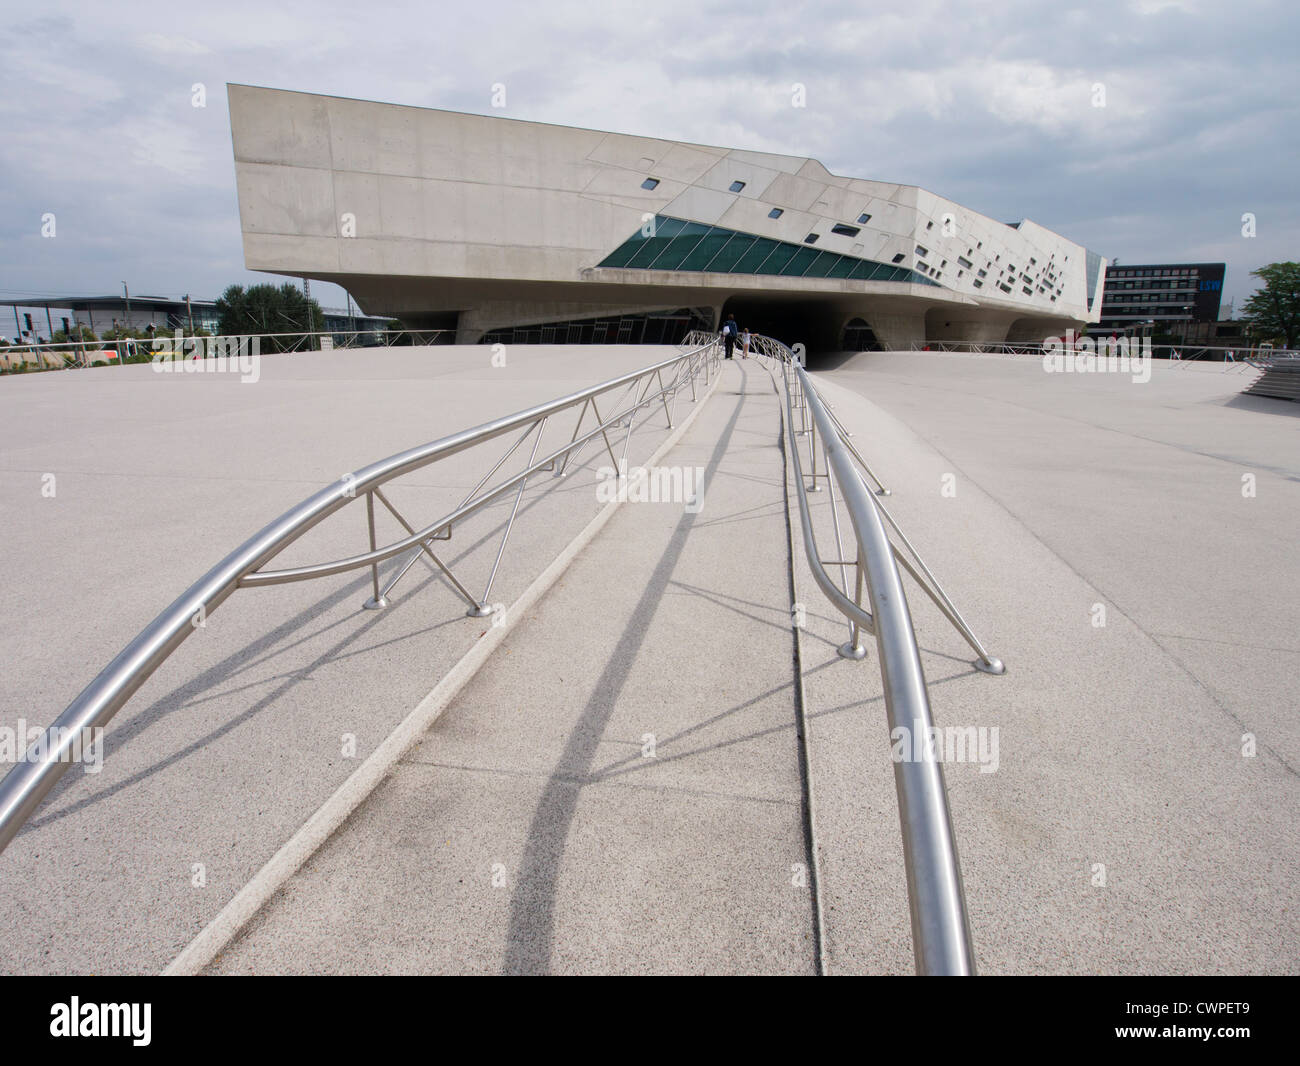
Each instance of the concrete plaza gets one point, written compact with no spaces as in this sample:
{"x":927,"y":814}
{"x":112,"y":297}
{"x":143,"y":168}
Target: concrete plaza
{"x":528,"y":830}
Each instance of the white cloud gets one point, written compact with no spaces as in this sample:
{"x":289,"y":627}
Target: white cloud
{"x":171,"y":44}
{"x":988,"y":104}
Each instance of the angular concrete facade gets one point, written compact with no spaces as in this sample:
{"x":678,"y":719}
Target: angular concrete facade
{"x":440,"y":218}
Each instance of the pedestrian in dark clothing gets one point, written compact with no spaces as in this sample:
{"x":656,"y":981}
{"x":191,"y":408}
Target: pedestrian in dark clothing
{"x":729,"y":333}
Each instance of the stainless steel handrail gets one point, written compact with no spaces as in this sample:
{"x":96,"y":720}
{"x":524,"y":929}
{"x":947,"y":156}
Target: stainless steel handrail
{"x":28,"y":782}
{"x":941,"y":938}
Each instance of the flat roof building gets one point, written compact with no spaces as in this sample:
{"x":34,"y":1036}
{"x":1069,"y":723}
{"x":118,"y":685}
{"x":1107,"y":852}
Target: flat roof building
{"x":515,"y":230}
{"x":1165,"y":295}
{"x":42,"y":316}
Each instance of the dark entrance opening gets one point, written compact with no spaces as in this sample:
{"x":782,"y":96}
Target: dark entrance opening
{"x":793,"y":322}
{"x":858,"y":337}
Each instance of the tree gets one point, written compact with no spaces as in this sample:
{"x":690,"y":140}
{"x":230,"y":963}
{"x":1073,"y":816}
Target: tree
{"x":1274,"y":311}
{"x":78,"y":335}
{"x":268,"y":309}
{"x":122,"y":333}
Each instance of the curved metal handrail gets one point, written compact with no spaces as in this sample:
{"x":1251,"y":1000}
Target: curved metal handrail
{"x":28,"y":782}
{"x":941,"y":938}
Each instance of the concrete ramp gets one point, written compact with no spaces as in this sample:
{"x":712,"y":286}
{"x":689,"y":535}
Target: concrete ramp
{"x":619,"y":790}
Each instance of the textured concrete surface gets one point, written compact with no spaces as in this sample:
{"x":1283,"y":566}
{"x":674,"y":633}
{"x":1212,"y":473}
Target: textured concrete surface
{"x":1123,"y":831}
{"x":1120,"y":745}
{"x":241,"y":734}
{"x":531,"y":830}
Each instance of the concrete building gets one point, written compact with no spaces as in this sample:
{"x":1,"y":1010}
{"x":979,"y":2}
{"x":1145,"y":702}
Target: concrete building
{"x":505,"y":229}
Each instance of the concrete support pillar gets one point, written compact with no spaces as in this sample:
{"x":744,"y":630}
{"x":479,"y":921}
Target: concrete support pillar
{"x":897,"y":331}
{"x":985,"y":327}
{"x":467,"y":332}
{"x":1032,"y":330}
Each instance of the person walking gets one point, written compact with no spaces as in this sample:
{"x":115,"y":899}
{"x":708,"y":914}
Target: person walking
{"x":744,"y":344}
{"x":729,"y":332}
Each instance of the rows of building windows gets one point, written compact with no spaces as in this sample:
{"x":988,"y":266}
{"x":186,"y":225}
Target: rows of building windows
{"x":1183,"y":284}
{"x":1154,"y":311}
{"x":676,"y":244}
{"x":1152,"y":272}
{"x":1140,"y":297}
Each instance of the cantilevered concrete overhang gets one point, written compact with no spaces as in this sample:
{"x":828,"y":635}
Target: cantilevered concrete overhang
{"x":439,"y":218}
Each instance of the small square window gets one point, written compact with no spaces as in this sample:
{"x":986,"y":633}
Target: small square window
{"x":922,"y":251}
{"x":650,"y":183}
{"x":864,"y":218}
{"x":776,"y":212}
{"x":810,"y":239}
{"x":929,"y":225}
{"x":736,"y":186}
{"x":845,"y":231}
{"x":898,"y":258}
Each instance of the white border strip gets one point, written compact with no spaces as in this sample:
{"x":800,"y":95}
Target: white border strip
{"x":367,"y":777}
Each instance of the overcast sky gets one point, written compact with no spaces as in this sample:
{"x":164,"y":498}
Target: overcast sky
{"x":989,"y":104}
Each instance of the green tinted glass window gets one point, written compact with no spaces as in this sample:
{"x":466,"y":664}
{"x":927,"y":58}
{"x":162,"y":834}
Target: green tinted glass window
{"x":680,"y":246}
{"x":731,"y":252}
{"x":752,"y":259}
{"x":701,"y":255}
{"x":842,"y":267}
{"x":801,"y":260}
{"x":775,"y":263}
{"x":620,"y":255}
{"x":696,"y":246}
{"x":822,"y":265}
{"x":665,"y":230}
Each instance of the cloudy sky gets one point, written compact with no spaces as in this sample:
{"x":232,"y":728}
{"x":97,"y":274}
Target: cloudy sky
{"x":992,"y":104}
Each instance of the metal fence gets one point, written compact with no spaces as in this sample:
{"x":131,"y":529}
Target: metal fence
{"x":1241,"y":353}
